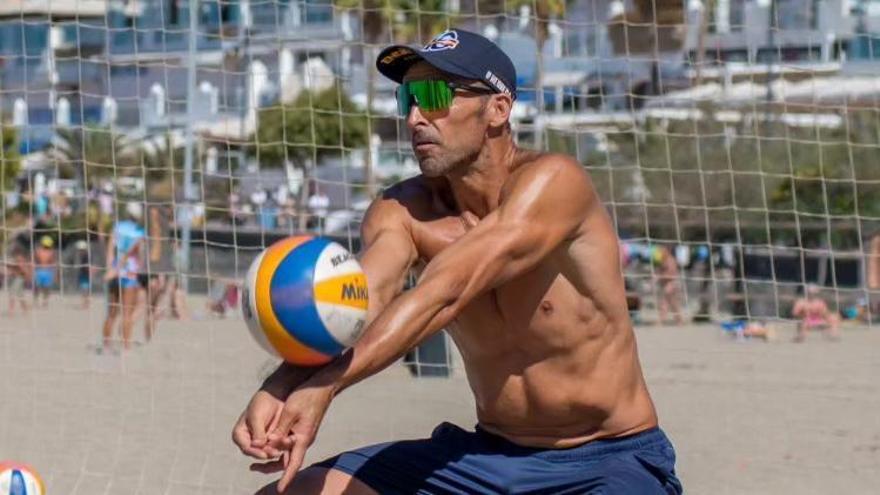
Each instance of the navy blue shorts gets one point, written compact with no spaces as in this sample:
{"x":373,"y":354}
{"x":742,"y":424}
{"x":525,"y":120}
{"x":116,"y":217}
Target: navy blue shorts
{"x":455,"y":461}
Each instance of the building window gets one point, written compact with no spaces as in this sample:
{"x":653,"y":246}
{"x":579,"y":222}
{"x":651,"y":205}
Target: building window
{"x":318,"y":11}
{"x":171,"y":13}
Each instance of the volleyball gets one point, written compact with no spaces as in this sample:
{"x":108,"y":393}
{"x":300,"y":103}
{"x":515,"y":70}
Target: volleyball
{"x":19,"y":479}
{"x":305,"y":300}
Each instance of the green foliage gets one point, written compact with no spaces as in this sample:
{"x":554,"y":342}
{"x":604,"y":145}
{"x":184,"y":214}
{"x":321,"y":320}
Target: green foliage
{"x":313,"y":126}
{"x":88,"y":153}
{"x":10,"y":161}
{"x":837,"y":170}
{"x":543,"y":11}
{"x":161,"y":158}
{"x":754,"y":180}
{"x":403,"y":21}
{"x":161,"y":164}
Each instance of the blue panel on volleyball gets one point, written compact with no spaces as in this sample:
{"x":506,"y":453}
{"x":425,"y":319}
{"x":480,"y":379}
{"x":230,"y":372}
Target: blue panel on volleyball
{"x":17,"y":485}
{"x":292,"y":297}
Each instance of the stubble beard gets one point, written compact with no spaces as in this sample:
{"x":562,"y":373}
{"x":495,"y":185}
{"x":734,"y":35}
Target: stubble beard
{"x":432,"y":166}
{"x":448,"y":162}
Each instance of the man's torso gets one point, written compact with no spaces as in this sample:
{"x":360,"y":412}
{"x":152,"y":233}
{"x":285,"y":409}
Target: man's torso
{"x":44,"y":258}
{"x":550,"y":355}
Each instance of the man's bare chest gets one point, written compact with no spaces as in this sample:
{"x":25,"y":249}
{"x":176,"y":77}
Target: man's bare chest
{"x":529,"y":298}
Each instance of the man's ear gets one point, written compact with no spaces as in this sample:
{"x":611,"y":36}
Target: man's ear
{"x":498,"y":110}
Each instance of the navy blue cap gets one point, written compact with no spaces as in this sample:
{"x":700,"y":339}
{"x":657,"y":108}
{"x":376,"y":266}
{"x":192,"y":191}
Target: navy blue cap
{"x":456,"y":52}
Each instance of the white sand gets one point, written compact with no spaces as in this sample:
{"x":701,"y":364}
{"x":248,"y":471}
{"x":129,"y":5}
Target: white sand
{"x":744,"y":417}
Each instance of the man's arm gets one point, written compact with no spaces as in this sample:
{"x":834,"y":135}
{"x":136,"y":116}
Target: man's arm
{"x":545,"y":206}
{"x":110,"y":258}
{"x":155,"y":235}
{"x":798,"y":308}
{"x":110,"y":254}
{"x":386,"y":256}
{"x":387,"y":253}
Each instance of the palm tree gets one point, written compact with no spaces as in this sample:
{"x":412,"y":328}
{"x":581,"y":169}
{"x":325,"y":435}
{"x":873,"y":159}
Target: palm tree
{"x":10,"y":161}
{"x":421,"y":20}
{"x":91,"y":152}
{"x":161,"y":163}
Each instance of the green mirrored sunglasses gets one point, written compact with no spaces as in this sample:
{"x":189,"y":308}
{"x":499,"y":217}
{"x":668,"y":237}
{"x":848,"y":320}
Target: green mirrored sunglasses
{"x":430,"y":95}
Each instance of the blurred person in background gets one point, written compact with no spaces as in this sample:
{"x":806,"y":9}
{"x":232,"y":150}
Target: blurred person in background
{"x":257,"y":200}
{"x":105,"y":207}
{"x":813,"y":313}
{"x":872,"y":304}
{"x":160,"y":265}
{"x":668,"y":284}
{"x":124,"y":264}
{"x":84,"y":271}
{"x":319,"y":207}
{"x":234,"y":206}
{"x":44,"y":270}
{"x":268,"y":214}
{"x":177,"y":299}
{"x":18,"y":278}
{"x":633,"y":300}
{"x":223,"y":297}
{"x":41,"y":206}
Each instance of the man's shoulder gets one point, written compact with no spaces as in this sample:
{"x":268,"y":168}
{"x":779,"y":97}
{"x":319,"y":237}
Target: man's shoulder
{"x":411,"y":190}
{"x":402,"y":201}
{"x":414,"y":195}
{"x":533,"y":166}
{"x":543,"y":162}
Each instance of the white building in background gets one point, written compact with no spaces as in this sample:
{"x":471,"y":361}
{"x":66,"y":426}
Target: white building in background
{"x":209,"y":98}
{"x":90,"y":50}
{"x":317,"y":76}
{"x":287,"y":84}
{"x":62,"y":112}
{"x":257,"y":87}
{"x":109,"y":111}
{"x":19,"y":112}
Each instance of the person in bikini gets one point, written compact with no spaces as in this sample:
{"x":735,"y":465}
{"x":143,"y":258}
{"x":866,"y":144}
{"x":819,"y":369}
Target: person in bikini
{"x":813,"y":314}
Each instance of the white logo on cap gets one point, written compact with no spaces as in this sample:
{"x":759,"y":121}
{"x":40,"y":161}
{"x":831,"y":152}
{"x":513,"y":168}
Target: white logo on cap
{"x":444,"y":41}
{"x":497,"y":82}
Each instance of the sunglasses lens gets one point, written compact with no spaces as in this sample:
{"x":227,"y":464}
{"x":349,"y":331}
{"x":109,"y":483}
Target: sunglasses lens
{"x":404,"y":100}
{"x":430,"y":96}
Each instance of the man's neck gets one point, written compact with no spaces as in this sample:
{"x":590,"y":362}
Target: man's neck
{"x":476,"y":188}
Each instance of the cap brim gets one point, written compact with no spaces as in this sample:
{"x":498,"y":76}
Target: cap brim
{"x":394,"y":61}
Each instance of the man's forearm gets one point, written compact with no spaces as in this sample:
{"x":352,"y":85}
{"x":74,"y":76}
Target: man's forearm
{"x":286,"y":378}
{"x":408,"y":320}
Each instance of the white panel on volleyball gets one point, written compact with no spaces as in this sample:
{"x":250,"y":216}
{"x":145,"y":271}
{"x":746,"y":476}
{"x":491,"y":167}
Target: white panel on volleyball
{"x":249,"y":307}
{"x":334,"y":261}
{"x":344,"y":323}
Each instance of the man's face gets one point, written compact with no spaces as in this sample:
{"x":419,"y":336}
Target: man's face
{"x":445,"y":140}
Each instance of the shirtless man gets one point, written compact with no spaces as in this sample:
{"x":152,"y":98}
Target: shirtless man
{"x":44,"y":270}
{"x":519,"y":261}
{"x":813,"y":314}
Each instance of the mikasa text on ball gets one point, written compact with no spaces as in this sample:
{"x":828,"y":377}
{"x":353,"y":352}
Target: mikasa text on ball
{"x":305,"y":300}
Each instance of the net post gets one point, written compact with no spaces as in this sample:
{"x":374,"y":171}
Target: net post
{"x":186,"y":234}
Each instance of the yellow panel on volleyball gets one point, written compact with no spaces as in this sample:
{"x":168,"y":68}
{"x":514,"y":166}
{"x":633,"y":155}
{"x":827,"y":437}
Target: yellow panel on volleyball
{"x":345,"y":290}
